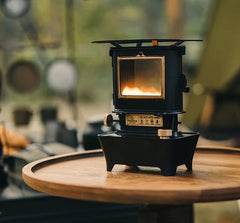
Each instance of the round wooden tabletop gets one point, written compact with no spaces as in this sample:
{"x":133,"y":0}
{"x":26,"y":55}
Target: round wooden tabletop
{"x":215,"y":177}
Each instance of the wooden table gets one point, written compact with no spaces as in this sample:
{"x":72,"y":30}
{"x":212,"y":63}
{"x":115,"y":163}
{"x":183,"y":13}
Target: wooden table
{"x":215,"y":177}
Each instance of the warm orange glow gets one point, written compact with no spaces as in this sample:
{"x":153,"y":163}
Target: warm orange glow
{"x":154,"y":42}
{"x":137,"y":91}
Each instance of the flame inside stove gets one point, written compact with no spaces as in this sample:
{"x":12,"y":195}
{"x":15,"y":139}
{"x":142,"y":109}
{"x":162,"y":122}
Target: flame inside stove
{"x":137,"y":91}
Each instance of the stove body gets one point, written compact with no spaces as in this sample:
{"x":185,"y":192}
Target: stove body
{"x":148,"y":87}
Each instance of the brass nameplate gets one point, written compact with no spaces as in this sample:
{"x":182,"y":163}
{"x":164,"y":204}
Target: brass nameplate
{"x":144,"y":120}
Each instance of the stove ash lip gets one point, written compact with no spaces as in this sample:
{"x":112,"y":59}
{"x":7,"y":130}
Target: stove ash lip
{"x":121,"y":133}
{"x":150,"y":111}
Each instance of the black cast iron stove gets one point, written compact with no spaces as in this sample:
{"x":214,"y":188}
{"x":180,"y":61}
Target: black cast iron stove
{"x":147,"y":95}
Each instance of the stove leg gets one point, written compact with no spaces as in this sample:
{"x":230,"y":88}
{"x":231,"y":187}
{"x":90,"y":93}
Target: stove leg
{"x":110,"y":166}
{"x":171,"y":171}
{"x":166,"y":214}
{"x":189,"y":165}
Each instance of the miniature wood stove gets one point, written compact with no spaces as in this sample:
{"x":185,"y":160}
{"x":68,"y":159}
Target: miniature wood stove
{"x":147,"y":95}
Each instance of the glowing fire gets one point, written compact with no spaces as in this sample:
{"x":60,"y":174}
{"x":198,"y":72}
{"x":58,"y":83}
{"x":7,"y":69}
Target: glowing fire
{"x":137,"y":91}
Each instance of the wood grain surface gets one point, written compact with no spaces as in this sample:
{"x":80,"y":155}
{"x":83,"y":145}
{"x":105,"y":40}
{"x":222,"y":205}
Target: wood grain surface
{"x":215,"y":177}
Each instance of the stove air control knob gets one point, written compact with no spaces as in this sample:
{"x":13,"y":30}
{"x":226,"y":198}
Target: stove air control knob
{"x":108,"y":120}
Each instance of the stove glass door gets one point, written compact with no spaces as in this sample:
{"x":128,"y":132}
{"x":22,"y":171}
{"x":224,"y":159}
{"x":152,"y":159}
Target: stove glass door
{"x":141,"y":77}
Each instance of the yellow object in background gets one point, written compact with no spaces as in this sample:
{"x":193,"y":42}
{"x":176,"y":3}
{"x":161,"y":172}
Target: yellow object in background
{"x":12,"y":141}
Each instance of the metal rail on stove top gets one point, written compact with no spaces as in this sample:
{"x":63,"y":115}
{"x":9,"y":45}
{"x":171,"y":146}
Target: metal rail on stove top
{"x":139,"y":42}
